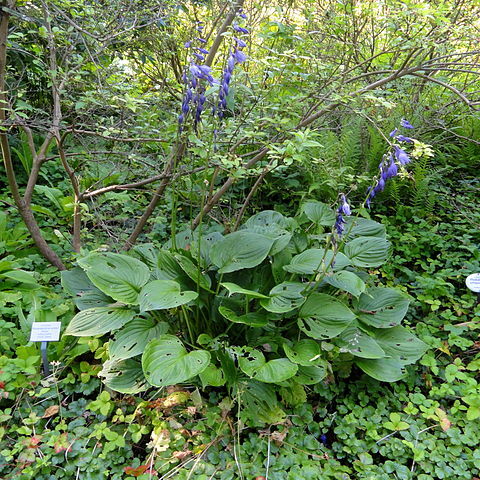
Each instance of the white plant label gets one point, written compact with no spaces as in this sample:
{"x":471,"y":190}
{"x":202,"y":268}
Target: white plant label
{"x":473,"y":282}
{"x":45,"y":331}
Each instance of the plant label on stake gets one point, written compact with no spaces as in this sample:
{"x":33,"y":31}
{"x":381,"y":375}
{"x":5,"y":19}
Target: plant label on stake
{"x":473,"y":283}
{"x":45,"y":332}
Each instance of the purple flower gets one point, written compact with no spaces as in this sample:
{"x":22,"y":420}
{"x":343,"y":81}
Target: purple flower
{"x":201,"y":40}
{"x":403,"y":138}
{"x":240,"y":43}
{"x":239,"y":29}
{"x":392,"y":169}
{"x":393,"y":132}
{"x":188,"y":44}
{"x":342,"y":211}
{"x":401,"y":155}
{"x":239,"y":56}
{"x":199,"y":57}
{"x":203,"y":50}
{"x":406,"y":124}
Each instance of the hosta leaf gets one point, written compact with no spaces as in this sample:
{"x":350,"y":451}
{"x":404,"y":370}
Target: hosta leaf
{"x":274,"y":371}
{"x":382,"y":307}
{"x":253,"y":319}
{"x":234,"y":288}
{"x":20,"y":276}
{"x":213,"y":376}
{"x":124,"y":376}
{"x":305,"y":352}
{"x":240,"y":250}
{"x":363,"y":227}
{"x":119,"y":276}
{"x":166,"y":362}
{"x":316,"y":260}
{"x":99,"y":320}
{"x":383,"y":369}
{"x":399,"y":343}
{"x":359,"y":344}
{"x":285,"y":297}
{"x":311,"y":375}
{"x":168,"y":268}
{"x":162,"y":294}
{"x":268,"y":219}
{"x":203,"y":280}
{"x":319,"y":213}
{"x":346,"y":281}
{"x":322,"y":316}
{"x":367,"y":251}
{"x":85,"y":293}
{"x":133,"y":337}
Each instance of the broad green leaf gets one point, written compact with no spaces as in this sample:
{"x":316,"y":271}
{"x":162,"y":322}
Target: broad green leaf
{"x":367,"y":251}
{"x":383,"y":369}
{"x":213,"y":376}
{"x":86,"y":295}
{"x":311,"y":375}
{"x":20,"y":276}
{"x":234,"y":288}
{"x":124,"y":376}
{"x":346,"y":281}
{"x":267,"y":218}
{"x":162,"y":294}
{"x":166,"y":362}
{"x":322,"y":316}
{"x":399,"y":343}
{"x":274,"y":371}
{"x":168,"y":268}
{"x":285,"y":297}
{"x":382,"y":307}
{"x":203,"y":280}
{"x":240,"y":250}
{"x":363,"y":227}
{"x":359,"y":344}
{"x":253,"y":319}
{"x":305,"y":352}
{"x":119,"y":276}
{"x":99,"y":320}
{"x":315,"y":260}
{"x":133,"y":337}
{"x":319,"y":213}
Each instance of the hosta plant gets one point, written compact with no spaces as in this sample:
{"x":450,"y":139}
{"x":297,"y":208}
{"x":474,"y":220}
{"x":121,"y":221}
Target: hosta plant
{"x":281,"y":302}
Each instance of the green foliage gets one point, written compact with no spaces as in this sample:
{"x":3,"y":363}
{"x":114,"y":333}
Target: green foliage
{"x":236,"y":333}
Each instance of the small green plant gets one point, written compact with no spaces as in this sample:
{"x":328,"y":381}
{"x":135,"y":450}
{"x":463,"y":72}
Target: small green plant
{"x":280,"y":302}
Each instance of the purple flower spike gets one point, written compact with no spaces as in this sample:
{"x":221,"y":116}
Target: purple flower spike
{"x":392,"y":169}
{"x":240,"y":43}
{"x":239,"y":29}
{"x":403,"y":138}
{"x":342,"y":211}
{"x":406,"y":124}
{"x":239,"y":56}
{"x":401,"y":155}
